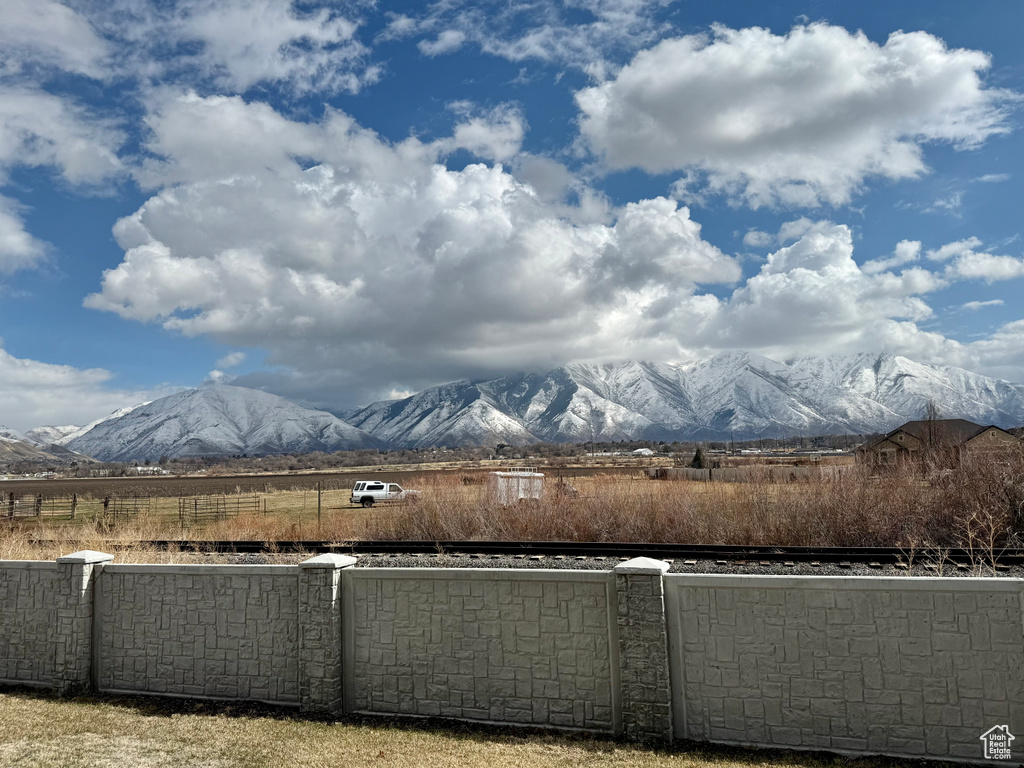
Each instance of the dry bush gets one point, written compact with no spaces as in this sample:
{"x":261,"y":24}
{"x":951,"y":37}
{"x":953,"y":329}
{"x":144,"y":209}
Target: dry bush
{"x":970,"y":500}
{"x":982,"y":502}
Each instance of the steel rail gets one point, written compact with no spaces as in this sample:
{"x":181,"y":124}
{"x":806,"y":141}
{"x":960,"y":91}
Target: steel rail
{"x":725,"y":552}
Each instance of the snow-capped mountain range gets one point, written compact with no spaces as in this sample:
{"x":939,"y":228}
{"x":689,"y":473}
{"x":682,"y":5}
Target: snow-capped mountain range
{"x":218,"y":421}
{"x":736,"y":395}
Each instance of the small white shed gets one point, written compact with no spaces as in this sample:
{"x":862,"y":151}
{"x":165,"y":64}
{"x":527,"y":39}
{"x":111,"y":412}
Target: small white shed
{"x":515,"y":484}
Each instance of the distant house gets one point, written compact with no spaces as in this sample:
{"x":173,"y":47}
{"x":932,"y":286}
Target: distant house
{"x":915,"y":438}
{"x":149,"y":470}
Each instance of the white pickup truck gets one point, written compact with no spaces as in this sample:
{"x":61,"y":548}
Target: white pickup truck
{"x":370,"y":492}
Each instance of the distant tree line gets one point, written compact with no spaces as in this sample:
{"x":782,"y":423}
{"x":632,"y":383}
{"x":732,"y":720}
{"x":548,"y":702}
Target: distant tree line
{"x":318,"y":461}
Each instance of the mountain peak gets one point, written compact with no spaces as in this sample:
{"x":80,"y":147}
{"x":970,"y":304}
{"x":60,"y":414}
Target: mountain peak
{"x":216,"y":421}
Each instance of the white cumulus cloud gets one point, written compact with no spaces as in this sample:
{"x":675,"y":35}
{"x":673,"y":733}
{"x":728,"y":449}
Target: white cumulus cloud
{"x":495,"y":135}
{"x":50,"y":33}
{"x":40,"y":129}
{"x":988,"y":267}
{"x":905,"y":252}
{"x":447,"y":41}
{"x":252,"y":41}
{"x":798,"y":119}
{"x":972,"y":306}
{"x":34,"y":393}
{"x":811,"y":296}
{"x":18,"y":249}
{"x":231,"y":360}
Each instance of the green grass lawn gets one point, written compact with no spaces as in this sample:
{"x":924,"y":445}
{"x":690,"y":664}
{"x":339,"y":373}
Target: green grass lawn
{"x":39,"y":730}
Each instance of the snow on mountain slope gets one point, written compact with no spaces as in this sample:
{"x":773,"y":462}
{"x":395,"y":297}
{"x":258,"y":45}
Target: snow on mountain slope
{"x":905,"y":386}
{"x":451,"y":414}
{"x":216,"y":421}
{"x":50,"y":435}
{"x":15,"y":446}
{"x":733,"y":394}
{"x":9,"y":435}
{"x":651,"y":389}
{"x":47,"y":435}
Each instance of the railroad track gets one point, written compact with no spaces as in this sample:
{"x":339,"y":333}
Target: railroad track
{"x":728,"y":553}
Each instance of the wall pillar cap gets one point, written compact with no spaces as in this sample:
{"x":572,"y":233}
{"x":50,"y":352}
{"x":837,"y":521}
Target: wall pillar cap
{"x":86,"y":557}
{"x":329,"y":561}
{"x":642,"y":566}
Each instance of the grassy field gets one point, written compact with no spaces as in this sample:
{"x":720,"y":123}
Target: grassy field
{"x":967,"y":501}
{"x":39,"y":731}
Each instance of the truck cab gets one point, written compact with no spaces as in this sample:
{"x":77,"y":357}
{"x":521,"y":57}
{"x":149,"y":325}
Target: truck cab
{"x":370,"y":492}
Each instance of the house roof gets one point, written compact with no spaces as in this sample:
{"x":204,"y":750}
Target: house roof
{"x":953,"y":430}
{"x":956,"y":431}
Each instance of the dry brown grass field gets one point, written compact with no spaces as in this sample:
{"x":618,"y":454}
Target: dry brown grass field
{"x":41,"y":731}
{"x":970,"y":501}
{"x":953,"y":501}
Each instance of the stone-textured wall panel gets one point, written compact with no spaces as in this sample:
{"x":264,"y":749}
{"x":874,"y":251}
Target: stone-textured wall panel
{"x":28,"y":607}
{"x":911,"y":667}
{"x":228,"y":632}
{"x":521,"y":647}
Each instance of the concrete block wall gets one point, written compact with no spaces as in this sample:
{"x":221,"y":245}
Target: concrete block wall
{"x":530,"y":646}
{"x":210,"y":631}
{"x":47,"y":618}
{"x":913,"y":667}
{"x":28,"y":620}
{"x":916,"y":667}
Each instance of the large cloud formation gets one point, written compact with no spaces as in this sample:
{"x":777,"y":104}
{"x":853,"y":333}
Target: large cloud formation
{"x":364,"y":266}
{"x":796,"y":119}
{"x":372,"y":264}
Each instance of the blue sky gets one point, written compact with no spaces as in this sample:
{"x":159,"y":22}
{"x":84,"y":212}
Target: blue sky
{"x":343,"y":202}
